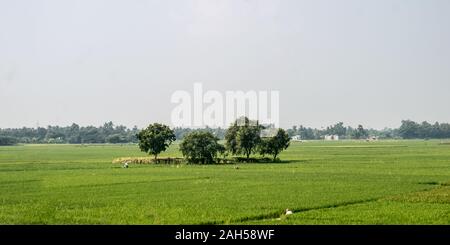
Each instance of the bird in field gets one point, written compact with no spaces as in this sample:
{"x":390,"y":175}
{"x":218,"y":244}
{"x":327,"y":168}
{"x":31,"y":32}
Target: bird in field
{"x":288,"y":212}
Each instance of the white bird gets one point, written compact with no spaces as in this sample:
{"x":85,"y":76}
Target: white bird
{"x":288,"y":212}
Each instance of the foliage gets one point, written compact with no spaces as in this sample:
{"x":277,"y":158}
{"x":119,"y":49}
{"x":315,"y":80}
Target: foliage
{"x":155,"y":139}
{"x":217,"y":132}
{"x":110,"y":133}
{"x":344,"y":132}
{"x":337,"y":129}
{"x":305,"y":133}
{"x":243,"y":137}
{"x":274,"y":145}
{"x":412,"y":130}
{"x":201,"y":147}
{"x":231,"y":139}
{"x":73,"y":134}
{"x":360,"y":133}
{"x":409,"y":129}
{"x":116,"y":138}
{"x":7,"y":140}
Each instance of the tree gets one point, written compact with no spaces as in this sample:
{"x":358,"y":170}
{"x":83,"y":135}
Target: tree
{"x":116,"y":138}
{"x":409,"y":129}
{"x":108,"y":128}
{"x":248,"y":138}
{"x":230,"y":139}
{"x":360,"y":133}
{"x":201,"y":147}
{"x":274,"y":145}
{"x":7,"y":140}
{"x":337,"y":129}
{"x":243,"y":137}
{"x":155,"y":139}
{"x":91,"y":134}
{"x":425,"y":130}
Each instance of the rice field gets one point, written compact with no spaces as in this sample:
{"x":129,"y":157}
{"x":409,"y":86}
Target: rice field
{"x":343,"y":182}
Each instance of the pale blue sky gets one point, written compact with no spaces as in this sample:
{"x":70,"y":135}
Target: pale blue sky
{"x":372,"y":62}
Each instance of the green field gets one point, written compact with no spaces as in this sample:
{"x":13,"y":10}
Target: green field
{"x":346,"y":182}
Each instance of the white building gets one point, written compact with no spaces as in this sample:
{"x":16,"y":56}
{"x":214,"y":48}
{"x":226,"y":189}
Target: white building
{"x":372,"y":138}
{"x":296,"y":138}
{"x":331,"y":137}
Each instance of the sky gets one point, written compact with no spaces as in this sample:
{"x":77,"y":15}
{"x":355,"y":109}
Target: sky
{"x":369,"y":62}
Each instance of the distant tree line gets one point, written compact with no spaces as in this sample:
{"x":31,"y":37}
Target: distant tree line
{"x":74,"y":134}
{"x":408,"y":130}
{"x":7,"y":140}
{"x":412,"y":130}
{"x":110,"y":133}
{"x":344,"y":132}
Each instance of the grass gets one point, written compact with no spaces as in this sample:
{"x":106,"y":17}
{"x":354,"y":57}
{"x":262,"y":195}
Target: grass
{"x":345,"y":182}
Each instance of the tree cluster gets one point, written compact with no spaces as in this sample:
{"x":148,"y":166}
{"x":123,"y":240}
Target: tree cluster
{"x":7,"y":140}
{"x":413,"y":130}
{"x":74,"y":134}
{"x":203,"y":147}
{"x":244,"y":138}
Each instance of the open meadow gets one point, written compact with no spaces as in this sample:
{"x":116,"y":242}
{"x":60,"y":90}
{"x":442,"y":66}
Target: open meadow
{"x":343,"y":182}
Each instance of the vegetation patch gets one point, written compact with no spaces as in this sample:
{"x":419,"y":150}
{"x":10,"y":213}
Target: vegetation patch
{"x":148,"y":160}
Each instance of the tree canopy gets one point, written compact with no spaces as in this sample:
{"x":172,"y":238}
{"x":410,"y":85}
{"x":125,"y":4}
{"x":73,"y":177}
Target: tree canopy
{"x":360,"y":133}
{"x":155,"y":139}
{"x":201,"y":147}
{"x":7,"y":140}
{"x":243,"y":137}
{"x":274,"y":145}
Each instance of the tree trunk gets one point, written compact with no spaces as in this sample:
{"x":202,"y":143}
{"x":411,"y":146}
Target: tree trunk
{"x":275,"y":156}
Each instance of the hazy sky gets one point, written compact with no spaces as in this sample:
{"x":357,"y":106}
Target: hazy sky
{"x":373,"y":62}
